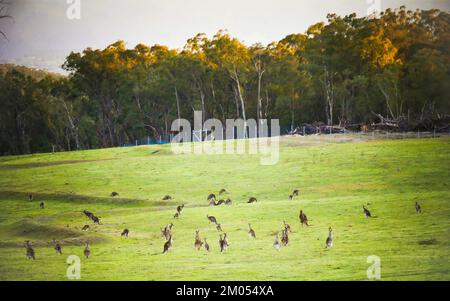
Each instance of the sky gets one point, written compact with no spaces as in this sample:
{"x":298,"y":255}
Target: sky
{"x":41,"y":33}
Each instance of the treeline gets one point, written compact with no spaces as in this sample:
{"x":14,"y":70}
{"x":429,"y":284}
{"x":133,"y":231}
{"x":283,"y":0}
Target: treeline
{"x":347,"y":70}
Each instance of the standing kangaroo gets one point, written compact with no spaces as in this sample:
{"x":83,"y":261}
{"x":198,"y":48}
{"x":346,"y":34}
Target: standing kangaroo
{"x":167,"y":244}
{"x":418,"y":208}
{"x":87,"y":251}
{"x":303,"y":218}
{"x":30,"y":250}
{"x":276,"y":244}
{"x":198,"y":242}
{"x":251,"y":232}
{"x":57,"y":247}
{"x":329,"y":241}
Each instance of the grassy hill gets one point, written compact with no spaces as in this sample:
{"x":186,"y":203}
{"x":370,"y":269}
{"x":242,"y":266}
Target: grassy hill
{"x":335,"y":177}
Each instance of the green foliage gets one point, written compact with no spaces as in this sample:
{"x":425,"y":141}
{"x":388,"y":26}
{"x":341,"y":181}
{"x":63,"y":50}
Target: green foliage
{"x":340,"y":71}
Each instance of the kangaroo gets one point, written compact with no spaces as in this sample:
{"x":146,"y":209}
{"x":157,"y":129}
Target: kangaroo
{"x":167,"y":244}
{"x":418,"y":208}
{"x":211,"y":219}
{"x":222,"y":191}
{"x":284,"y":237}
{"x":87,"y":251}
{"x":206,"y":245}
{"x":251,"y":232}
{"x":252,"y":200}
{"x":223,"y":244}
{"x":30,"y":250}
{"x":366,"y":212}
{"x":180,"y":208}
{"x":303,"y":218}
{"x":198,"y":242}
{"x":329,"y":241}
{"x":212,"y":203}
{"x":286,"y":226}
{"x":114,"y":194}
{"x":228,"y":202}
{"x":41,"y":205}
{"x":166,"y":232}
{"x":85,"y":228}
{"x":125,"y":233}
{"x":295,"y":192}
{"x":220,"y":202}
{"x":176,"y":215}
{"x":30,"y":197}
{"x":211,"y":197}
{"x":291,"y":197}
{"x":276,"y":244}
{"x":57,"y":247}
{"x":167,"y":197}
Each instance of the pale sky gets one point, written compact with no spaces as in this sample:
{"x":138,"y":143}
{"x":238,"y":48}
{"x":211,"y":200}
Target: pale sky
{"x":41,"y":35}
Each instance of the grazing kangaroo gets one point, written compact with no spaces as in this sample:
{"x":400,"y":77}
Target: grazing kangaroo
{"x":113,"y":194}
{"x":284,"y":237}
{"x":212,"y":203}
{"x":167,"y":244}
{"x":125,"y":233}
{"x":251,"y":232}
{"x":303,"y":218}
{"x":30,"y":250}
{"x":329,"y":241}
{"x":57,"y":247}
{"x":211,"y":197}
{"x":206,"y":245}
{"x":85,"y":228}
{"x":219,"y":228}
{"x":286,"y":226}
{"x":418,"y":208}
{"x":366,"y":212}
{"x":30,"y":197}
{"x":291,"y":197}
{"x":228,"y":202}
{"x":276,"y":244}
{"x":222,"y":191}
{"x":167,"y":197}
{"x":295,"y":192}
{"x":198,"y":242}
{"x":220,"y":202}
{"x":87,"y":251}
{"x":41,"y":205}
{"x":211,"y":219}
{"x":180,"y":208}
{"x":252,"y":200}
{"x":176,"y":215}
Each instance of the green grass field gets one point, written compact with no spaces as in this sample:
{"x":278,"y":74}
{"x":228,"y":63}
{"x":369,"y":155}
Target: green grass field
{"x":335,"y":178}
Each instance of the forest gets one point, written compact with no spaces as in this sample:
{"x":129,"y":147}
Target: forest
{"x":349,"y":71}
